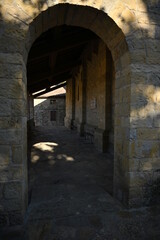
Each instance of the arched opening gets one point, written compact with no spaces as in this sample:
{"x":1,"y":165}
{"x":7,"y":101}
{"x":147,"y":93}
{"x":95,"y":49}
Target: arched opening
{"x":68,"y":50}
{"x":131,"y":34}
{"x":78,"y":59}
{"x":103,"y":26}
{"x":114,"y":52}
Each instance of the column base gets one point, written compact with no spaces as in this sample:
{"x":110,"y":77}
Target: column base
{"x":101,"y":140}
{"x":67,"y":122}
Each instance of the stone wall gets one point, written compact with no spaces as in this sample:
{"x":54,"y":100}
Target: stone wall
{"x":78,"y":100}
{"x":131,"y":31}
{"x":70,"y":103}
{"x":93,"y":96}
{"x":43,"y":108}
{"x":30,"y":112}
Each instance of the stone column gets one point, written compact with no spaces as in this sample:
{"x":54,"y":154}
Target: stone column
{"x":104,"y":128}
{"x":83,"y":96}
{"x":13,"y":137}
{"x":30,"y":112}
{"x":70,"y":103}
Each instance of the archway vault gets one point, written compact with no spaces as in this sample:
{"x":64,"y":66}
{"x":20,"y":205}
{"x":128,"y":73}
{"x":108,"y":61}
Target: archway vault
{"x":116,"y":24}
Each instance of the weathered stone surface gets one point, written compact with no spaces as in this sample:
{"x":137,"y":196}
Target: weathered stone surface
{"x":11,"y":71}
{"x":3,"y":220}
{"x":1,"y":191}
{"x":13,"y":45}
{"x":44,"y":107}
{"x":148,"y":133}
{"x":131,"y":30}
{"x":144,"y":149}
{"x":13,"y":190}
{"x":13,"y":107}
{"x":5,"y":155}
{"x":11,"y":173}
{"x":12,"y":136}
{"x":11,"y":205}
{"x":10,"y":122}
{"x":17,"y":154}
{"x":14,"y":88}
{"x":145,"y":164}
{"x":15,"y":218}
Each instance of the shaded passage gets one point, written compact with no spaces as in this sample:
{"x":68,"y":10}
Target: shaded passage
{"x":70,"y":192}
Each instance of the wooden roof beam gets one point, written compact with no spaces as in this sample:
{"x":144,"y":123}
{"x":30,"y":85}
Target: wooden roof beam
{"x":45,"y":83}
{"x":35,"y":78}
{"x":49,"y":90}
{"x":59,"y":46}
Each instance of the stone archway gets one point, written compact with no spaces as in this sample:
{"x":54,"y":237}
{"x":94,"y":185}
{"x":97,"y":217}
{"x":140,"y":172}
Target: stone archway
{"x":110,"y":33}
{"x":20,"y":29}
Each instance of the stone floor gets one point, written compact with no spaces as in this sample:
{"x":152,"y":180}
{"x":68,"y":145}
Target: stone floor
{"x":70,"y":194}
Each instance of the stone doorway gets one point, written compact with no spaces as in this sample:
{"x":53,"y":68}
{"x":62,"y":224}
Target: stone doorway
{"x":78,"y":59}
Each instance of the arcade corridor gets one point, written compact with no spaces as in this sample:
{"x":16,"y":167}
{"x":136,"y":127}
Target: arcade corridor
{"x":70,"y":186}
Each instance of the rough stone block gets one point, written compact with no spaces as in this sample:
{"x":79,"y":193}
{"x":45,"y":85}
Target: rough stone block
{"x":11,"y":71}
{"x":11,"y":173}
{"x":16,"y":218}
{"x":144,"y":149}
{"x":10,"y":122}
{"x":137,"y":122}
{"x":14,"y":89}
{"x":5,"y":107}
{"x":10,"y":136}
{"x":156,"y":121}
{"x":4,"y":221}
{"x":1,"y":190}
{"x":17,"y":154}
{"x":148,"y":133}
{"x":13,"y":190}
{"x":12,"y":205}
{"x":101,"y":140}
{"x":5,"y":155}
{"x":145,"y":164}
{"x":137,"y":179}
{"x":13,"y":45}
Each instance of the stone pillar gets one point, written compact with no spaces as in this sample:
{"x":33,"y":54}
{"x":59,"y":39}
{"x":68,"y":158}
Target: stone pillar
{"x":83,"y":95}
{"x":101,"y":134}
{"x":30,"y":112}
{"x":70,"y":104}
{"x":13,"y":137}
{"x":144,"y":145}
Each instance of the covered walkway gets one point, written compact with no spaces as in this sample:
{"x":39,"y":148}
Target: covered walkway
{"x":70,"y":187}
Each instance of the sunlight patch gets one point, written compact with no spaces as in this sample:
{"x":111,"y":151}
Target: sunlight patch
{"x":64,"y":156}
{"x":45,"y":146}
{"x":35,"y":159}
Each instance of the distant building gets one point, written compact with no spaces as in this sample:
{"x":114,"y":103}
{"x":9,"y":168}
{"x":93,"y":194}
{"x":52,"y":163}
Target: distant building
{"x":49,"y":109}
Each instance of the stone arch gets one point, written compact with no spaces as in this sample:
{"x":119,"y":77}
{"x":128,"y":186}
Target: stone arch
{"x":108,"y":20}
{"x":102,"y":25}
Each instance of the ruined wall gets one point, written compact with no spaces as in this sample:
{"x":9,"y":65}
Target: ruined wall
{"x":43,"y":109}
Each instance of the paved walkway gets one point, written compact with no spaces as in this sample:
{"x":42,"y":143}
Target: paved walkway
{"x":70,"y":193}
{"x":70,"y":190}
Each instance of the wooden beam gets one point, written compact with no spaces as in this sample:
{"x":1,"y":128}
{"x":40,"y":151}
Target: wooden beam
{"x":43,"y":50}
{"x":45,"y":83}
{"x":35,"y":78}
{"x":49,"y":90}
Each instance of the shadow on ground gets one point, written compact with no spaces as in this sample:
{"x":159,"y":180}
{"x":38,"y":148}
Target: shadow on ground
{"x":70,"y":186}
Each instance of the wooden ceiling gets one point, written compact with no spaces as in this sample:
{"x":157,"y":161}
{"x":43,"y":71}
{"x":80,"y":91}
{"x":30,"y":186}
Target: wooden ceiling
{"x":54,"y":56}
